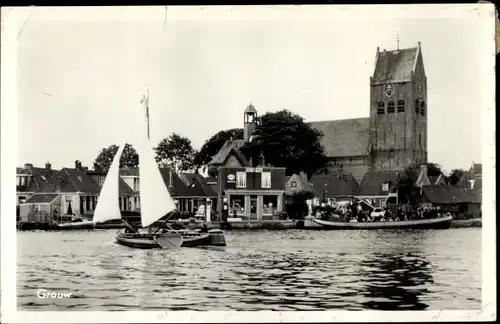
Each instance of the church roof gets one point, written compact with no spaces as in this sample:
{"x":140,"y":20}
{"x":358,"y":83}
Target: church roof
{"x":395,"y":66}
{"x":345,"y":137}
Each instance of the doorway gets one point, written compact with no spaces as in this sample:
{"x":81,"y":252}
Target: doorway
{"x":253,"y":207}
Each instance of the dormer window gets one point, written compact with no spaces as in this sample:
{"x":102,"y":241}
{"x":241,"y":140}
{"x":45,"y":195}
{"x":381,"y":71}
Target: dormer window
{"x":390,"y":107}
{"x":381,"y":108}
{"x":385,"y":186}
{"x":401,"y":106}
{"x":293,"y":184}
{"x":422,"y":108}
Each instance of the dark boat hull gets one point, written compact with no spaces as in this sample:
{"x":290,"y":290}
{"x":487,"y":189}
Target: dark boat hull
{"x":435,"y":223}
{"x":190,"y":239}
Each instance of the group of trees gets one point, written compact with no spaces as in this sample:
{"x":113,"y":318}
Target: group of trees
{"x":283,"y":137}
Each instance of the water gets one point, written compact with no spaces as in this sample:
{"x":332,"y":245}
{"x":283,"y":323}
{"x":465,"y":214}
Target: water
{"x":258,"y":270}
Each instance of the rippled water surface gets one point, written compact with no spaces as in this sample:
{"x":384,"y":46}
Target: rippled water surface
{"x":258,"y":270}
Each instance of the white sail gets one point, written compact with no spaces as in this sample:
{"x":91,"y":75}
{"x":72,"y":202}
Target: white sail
{"x":108,"y":204}
{"x":156,"y":201}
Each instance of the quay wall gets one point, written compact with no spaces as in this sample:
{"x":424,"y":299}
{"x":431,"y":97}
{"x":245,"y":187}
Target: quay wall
{"x":253,"y":224}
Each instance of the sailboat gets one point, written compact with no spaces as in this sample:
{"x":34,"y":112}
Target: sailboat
{"x":156,"y":203}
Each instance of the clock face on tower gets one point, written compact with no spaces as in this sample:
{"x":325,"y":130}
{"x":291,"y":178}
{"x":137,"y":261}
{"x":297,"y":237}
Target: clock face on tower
{"x":389,"y":90}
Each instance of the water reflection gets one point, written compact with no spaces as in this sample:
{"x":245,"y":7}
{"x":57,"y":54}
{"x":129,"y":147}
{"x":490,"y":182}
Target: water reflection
{"x":279,"y":271}
{"x":395,"y":281}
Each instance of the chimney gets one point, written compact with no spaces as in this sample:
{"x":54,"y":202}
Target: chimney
{"x":28,"y":166}
{"x":48,"y":166}
{"x":170,"y":178}
{"x":303,"y":175}
{"x":78,"y":164}
{"x":97,"y":167}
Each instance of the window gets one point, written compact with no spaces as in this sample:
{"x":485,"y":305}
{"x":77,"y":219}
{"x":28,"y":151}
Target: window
{"x":136,"y":184}
{"x":422,"y":108}
{"x":381,"y":108}
{"x":18,"y":181}
{"x":266,"y":180}
{"x":293,"y":184}
{"x":101,"y":180}
{"x":241,"y":179}
{"x":401,"y":106}
{"x":417,"y":106}
{"x":383,"y":203}
{"x":390,"y":107}
{"x":385,"y":186}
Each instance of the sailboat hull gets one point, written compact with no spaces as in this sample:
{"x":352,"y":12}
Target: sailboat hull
{"x":190,"y":239}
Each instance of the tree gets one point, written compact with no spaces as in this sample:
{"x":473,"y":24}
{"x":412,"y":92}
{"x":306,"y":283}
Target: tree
{"x":408,"y":192}
{"x":129,"y":157}
{"x":176,"y":152}
{"x":287,"y":141}
{"x":433,"y":169}
{"x":213,"y":145}
{"x":455,"y":176}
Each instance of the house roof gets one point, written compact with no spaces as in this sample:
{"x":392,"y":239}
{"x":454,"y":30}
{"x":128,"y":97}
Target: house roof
{"x":301,"y":185}
{"x":446,"y":195}
{"x":230,"y":146}
{"x":334,"y":184}
{"x":197,"y":185}
{"x":124,"y":188}
{"x":345,"y":137}
{"x":71,"y":180}
{"x":371,"y":185}
{"x":178,"y":188}
{"x":395,"y":66}
{"x":41,"y":198}
{"x":39,"y":177}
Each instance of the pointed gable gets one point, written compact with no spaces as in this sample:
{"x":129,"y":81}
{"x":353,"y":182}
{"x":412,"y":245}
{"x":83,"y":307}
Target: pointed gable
{"x":231,"y":147}
{"x":395,"y":66}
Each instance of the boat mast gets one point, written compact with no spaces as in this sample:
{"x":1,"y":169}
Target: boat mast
{"x":145,"y":100}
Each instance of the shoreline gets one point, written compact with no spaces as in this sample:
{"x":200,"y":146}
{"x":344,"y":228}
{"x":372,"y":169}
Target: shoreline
{"x":244,"y":225}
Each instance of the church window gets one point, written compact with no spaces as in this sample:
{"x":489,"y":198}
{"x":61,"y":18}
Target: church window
{"x":420,"y":139}
{"x":422,"y":108}
{"x":401,"y":106}
{"x":417,"y":106}
{"x":390,"y":107}
{"x":381,"y":108}
{"x":385,"y":186}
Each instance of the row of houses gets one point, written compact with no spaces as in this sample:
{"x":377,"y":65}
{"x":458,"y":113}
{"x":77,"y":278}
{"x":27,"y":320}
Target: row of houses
{"x":45,"y":193}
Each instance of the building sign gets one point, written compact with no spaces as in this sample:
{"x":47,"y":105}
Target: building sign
{"x":253,"y":170}
{"x":231,"y":178}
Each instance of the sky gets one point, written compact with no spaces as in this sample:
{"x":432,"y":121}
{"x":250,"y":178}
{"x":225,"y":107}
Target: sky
{"x":81,"y":73}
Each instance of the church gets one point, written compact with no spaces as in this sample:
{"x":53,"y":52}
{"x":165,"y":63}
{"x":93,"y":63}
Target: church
{"x":392,"y":137}
{"x":395,"y":133}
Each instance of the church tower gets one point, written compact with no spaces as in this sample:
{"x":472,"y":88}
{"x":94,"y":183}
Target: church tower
{"x":398,"y":109}
{"x":250,"y":116}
